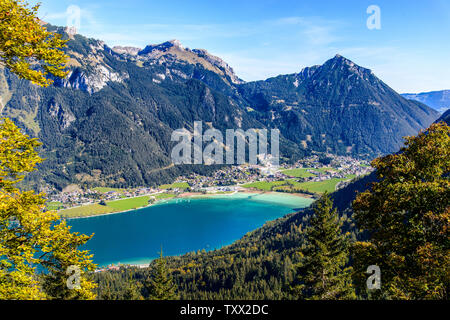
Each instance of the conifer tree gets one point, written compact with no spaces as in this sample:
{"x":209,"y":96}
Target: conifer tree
{"x":132,"y":291}
{"x":159,"y":284}
{"x":322,"y":272}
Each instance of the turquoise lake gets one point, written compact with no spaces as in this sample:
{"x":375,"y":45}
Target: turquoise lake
{"x":181,"y":225}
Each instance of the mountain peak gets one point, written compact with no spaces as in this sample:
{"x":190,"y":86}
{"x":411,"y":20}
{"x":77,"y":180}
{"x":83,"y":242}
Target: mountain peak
{"x":163,"y":47}
{"x":175,"y":49}
{"x":175,"y":43}
{"x":342,"y":59}
{"x":342,"y":64}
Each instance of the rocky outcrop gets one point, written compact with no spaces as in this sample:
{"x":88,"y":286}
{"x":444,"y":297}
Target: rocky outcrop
{"x":219,"y":63}
{"x":62,"y":115}
{"x":172,"y":52}
{"x":92,"y":81}
{"x":132,"y":51}
{"x":102,"y":76}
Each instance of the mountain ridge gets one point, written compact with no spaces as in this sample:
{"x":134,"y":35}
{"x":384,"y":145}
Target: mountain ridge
{"x":109,"y":122}
{"x":445,"y":117}
{"x":438,"y":100}
{"x":344,"y":92}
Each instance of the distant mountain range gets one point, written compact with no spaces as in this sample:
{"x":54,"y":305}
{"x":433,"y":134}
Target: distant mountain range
{"x":439,"y":100}
{"x":109,"y":122}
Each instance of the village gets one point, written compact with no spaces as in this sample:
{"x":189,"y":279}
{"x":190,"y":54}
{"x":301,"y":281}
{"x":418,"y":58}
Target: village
{"x":305,"y":173}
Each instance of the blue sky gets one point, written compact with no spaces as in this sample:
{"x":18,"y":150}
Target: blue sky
{"x":264,"y":38}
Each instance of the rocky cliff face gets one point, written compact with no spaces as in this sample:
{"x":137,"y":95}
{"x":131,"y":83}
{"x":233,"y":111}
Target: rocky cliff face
{"x":172,"y":52}
{"x":91,"y":82}
{"x":219,"y":63}
{"x":132,"y":51}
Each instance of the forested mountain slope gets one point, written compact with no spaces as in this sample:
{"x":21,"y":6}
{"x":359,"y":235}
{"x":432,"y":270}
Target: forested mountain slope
{"x":445,"y":117}
{"x":337,"y":107}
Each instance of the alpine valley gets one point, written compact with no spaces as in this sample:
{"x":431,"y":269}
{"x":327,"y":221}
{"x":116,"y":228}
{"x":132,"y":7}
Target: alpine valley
{"x":110,"y":121}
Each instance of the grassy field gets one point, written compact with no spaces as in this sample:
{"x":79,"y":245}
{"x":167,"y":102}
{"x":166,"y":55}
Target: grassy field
{"x":161,"y":196}
{"x":111,"y":206}
{"x":319,"y":186}
{"x":303,"y":172}
{"x":294,"y":186}
{"x":179,"y":185}
{"x":53,"y":205}
{"x":127,"y":204}
{"x":298,"y":173}
{"x":105,"y":189}
{"x":263,"y":185}
{"x":322,"y":186}
{"x":87,"y":210}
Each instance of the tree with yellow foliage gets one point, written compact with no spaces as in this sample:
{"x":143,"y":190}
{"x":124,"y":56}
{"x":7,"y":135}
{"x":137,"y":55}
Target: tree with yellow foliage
{"x":26,"y":47}
{"x":406,"y":216}
{"x":37,"y":249}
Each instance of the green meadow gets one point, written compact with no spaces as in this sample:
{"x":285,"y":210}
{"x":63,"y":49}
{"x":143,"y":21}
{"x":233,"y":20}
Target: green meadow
{"x":53,"y":205}
{"x":319,"y":186}
{"x":129,"y":203}
{"x":290,"y":185}
{"x":264,"y":185}
{"x":298,"y":173}
{"x":105,"y":189}
{"x":179,"y":185}
{"x":303,"y":172}
{"x":111,"y":206}
{"x":161,"y":196}
{"x":86,"y":210}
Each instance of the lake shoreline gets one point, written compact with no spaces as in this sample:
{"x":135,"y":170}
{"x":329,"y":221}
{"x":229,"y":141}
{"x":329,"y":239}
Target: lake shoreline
{"x":190,"y":223}
{"x":194,"y":195}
